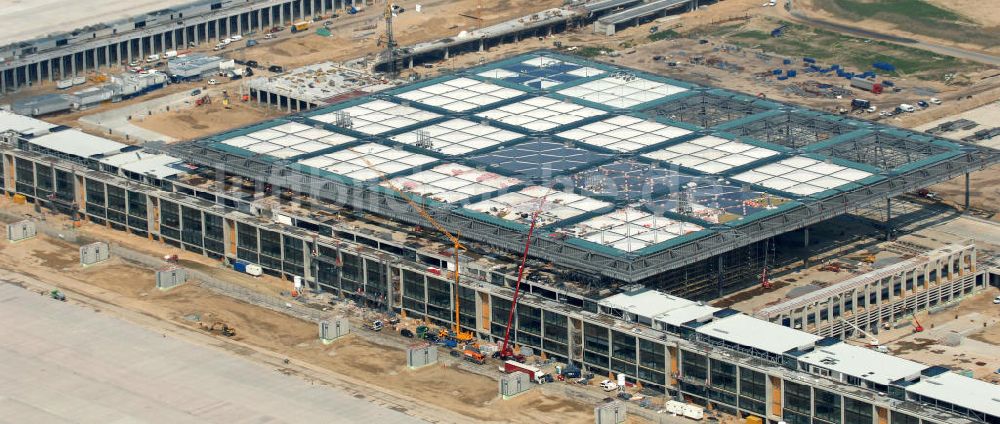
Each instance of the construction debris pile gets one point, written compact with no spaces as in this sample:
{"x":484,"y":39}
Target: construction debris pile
{"x":813,"y":88}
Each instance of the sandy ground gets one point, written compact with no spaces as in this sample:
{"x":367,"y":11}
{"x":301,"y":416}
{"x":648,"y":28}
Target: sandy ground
{"x":200,"y":121}
{"x":968,"y":8}
{"x":986,"y":13}
{"x":977,"y":319}
{"x":987,"y":116}
{"x":437,"y":19}
{"x":131,"y":287}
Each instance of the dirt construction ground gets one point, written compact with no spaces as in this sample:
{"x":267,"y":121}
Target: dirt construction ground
{"x":200,"y":121}
{"x":131,"y":287}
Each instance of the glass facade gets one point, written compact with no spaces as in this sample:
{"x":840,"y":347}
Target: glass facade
{"x":721,"y":383}
{"x":827,"y":406}
{"x":857,"y":412}
{"x":694,"y":366}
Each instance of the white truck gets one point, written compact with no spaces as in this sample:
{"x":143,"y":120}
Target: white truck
{"x":907,"y":107}
{"x":170,"y":53}
{"x":152,"y":58}
{"x":609,"y":386}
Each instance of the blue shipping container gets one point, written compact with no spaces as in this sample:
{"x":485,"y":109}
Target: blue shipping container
{"x":776,"y":72}
{"x":782,"y":78}
{"x":792,"y":73}
{"x":240,"y":267}
{"x":787,"y":61}
{"x":808,"y":60}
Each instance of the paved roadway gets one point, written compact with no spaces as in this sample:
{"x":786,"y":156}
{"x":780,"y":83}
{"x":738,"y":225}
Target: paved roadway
{"x":64,"y":363}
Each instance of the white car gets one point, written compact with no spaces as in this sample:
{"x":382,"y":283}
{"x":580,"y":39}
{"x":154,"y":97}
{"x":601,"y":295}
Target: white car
{"x":236,"y":38}
{"x":212,"y":82}
{"x":872,"y":109}
{"x":996,"y":300}
{"x":934,"y":100}
{"x":609,"y":386}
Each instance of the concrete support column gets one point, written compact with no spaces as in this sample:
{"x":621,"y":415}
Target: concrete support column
{"x":48,"y":65}
{"x":107,"y":56}
{"x":93,"y":57}
{"x":281,"y":13}
{"x":482,"y":44}
{"x":260,"y":19}
{"x":239,"y":23}
{"x":197,"y":39}
{"x":322,"y":7}
{"x":410,"y":66}
{"x":3,"y":81}
{"x":445,"y":53}
{"x":129,"y":57}
{"x":72,"y":63}
{"x":218,"y":34}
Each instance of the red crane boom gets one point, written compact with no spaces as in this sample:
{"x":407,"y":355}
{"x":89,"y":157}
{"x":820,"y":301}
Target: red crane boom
{"x":505,"y":351}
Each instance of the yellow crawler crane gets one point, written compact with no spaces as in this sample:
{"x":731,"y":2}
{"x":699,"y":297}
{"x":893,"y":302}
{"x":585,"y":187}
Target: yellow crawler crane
{"x":456,"y":244}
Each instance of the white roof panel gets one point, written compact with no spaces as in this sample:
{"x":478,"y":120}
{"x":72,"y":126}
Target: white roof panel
{"x":686,"y":313}
{"x":966,"y":392}
{"x":863,"y":363}
{"x":10,"y":121}
{"x":621,"y":90}
{"x":540,"y":113}
{"x":762,"y":335}
{"x":645,"y":303}
{"x":77,"y":143}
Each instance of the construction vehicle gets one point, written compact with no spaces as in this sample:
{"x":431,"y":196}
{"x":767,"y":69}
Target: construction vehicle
{"x":57,"y":295}
{"x":765,"y":282}
{"x":457,"y":246}
{"x":474,"y":357}
{"x":866,"y":257}
{"x":534,"y":373}
{"x":916,"y":325}
{"x":300,"y":26}
{"x":204,"y":100}
{"x":220,"y":327}
{"x":506,"y":352}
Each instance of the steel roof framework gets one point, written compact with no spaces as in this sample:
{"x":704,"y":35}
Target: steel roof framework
{"x":791,"y":129}
{"x":709,"y":106}
{"x":706,"y":108}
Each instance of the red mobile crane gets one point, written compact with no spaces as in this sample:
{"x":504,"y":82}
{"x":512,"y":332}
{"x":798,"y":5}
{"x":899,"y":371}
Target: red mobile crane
{"x":505,"y":352}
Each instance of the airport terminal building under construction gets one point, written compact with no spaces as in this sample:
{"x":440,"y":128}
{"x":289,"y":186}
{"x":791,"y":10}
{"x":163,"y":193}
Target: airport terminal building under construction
{"x":653,"y":194}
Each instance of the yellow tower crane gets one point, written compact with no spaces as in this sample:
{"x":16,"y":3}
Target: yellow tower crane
{"x":457,"y":246}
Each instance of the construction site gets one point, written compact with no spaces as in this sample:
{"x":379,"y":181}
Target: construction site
{"x":590,"y":211}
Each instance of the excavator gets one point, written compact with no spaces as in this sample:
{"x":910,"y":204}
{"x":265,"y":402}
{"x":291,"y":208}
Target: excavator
{"x":219,"y":327}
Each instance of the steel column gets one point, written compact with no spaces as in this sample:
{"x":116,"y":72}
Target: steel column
{"x":966,"y":192}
